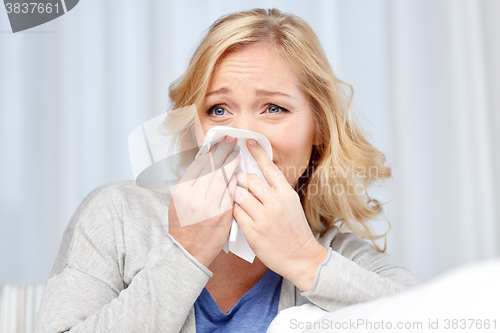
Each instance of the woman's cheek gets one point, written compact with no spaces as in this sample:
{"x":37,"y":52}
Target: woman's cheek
{"x":290,"y":169}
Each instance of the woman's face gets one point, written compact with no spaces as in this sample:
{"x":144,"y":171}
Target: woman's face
{"x":253,"y":89}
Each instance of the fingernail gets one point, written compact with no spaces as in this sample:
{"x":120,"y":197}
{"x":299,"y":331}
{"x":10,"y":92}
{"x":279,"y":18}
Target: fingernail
{"x":252,"y":142}
{"x":229,"y":139}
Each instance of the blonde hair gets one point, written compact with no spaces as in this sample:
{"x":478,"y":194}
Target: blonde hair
{"x":344,"y":161}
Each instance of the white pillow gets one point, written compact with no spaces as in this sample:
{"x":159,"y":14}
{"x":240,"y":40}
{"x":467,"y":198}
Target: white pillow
{"x":466,"y":299}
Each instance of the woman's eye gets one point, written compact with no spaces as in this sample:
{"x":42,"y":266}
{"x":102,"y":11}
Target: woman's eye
{"x":216,"y":110}
{"x":219,"y":111}
{"x":276,"y":109}
{"x":273,"y":109}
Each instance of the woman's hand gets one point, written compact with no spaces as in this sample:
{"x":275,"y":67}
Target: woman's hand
{"x":200,"y":212}
{"x":273,"y":221}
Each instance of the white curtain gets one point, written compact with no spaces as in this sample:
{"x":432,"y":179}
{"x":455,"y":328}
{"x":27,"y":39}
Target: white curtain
{"x":426,"y":78}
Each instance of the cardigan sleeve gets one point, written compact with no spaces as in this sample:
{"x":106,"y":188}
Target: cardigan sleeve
{"x":354,"y":272}
{"x":86,"y":291}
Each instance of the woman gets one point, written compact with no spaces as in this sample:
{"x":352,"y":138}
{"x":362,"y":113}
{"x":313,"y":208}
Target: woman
{"x":122,"y":268}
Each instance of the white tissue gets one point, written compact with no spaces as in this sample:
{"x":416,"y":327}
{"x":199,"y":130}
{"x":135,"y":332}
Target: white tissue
{"x":236,"y":242}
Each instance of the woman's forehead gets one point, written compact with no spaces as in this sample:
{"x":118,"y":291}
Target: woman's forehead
{"x":256,"y":63}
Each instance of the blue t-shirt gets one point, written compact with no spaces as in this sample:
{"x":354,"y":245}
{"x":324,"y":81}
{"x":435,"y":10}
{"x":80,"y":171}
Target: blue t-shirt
{"x":253,"y":312}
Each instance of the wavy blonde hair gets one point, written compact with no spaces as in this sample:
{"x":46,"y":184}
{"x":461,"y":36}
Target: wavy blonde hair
{"x":344,"y":162}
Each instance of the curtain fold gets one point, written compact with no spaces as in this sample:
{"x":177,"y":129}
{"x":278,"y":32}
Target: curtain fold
{"x":445,"y":211}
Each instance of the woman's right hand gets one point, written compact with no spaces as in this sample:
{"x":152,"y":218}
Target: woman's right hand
{"x":200,"y":211}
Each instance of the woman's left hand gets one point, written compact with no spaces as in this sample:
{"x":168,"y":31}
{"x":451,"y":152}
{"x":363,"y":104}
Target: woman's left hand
{"x":273,"y":221}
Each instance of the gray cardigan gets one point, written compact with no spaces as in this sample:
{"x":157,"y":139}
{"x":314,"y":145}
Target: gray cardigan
{"x":118,"y":270}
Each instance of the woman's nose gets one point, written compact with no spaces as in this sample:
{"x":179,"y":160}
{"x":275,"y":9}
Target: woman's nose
{"x":245,"y":123}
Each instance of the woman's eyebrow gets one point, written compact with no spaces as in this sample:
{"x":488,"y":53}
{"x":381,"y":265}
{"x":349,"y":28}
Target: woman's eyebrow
{"x":222,"y":90}
{"x":258,"y":92}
